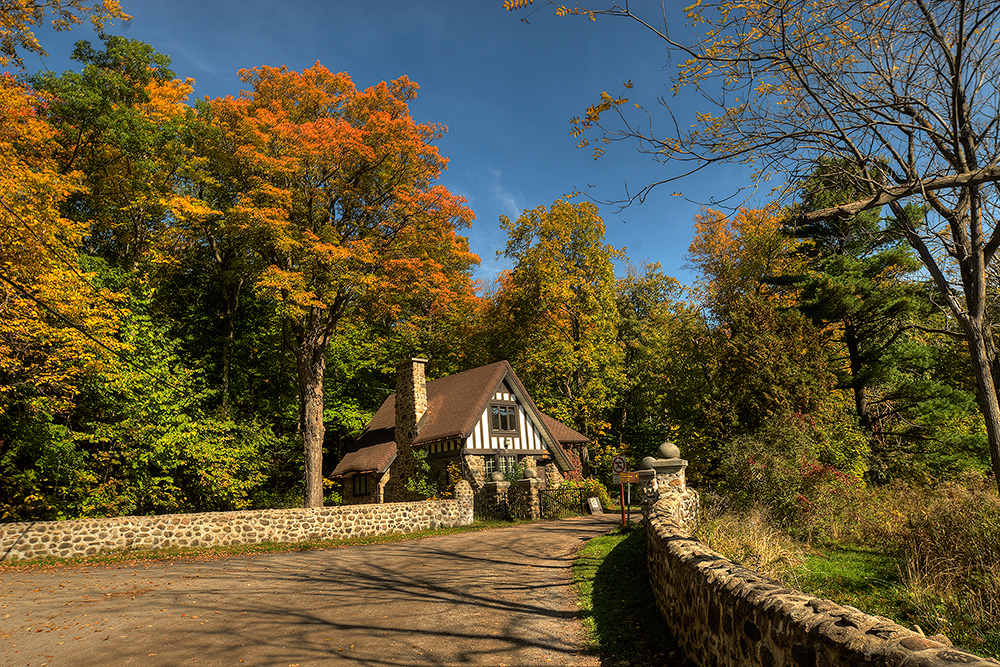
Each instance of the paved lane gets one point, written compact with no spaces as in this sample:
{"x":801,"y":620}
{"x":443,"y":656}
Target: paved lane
{"x":496,"y":597}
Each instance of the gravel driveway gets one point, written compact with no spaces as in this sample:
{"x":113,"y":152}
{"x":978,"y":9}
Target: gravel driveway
{"x":495,"y":597}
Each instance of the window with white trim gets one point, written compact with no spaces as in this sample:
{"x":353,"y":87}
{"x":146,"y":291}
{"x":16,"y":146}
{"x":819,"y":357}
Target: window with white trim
{"x":506,"y":463}
{"x":503,"y":419}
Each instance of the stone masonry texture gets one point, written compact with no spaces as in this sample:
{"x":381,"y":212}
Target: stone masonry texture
{"x":411,"y":404}
{"x":84,"y":537}
{"x":725,"y":615}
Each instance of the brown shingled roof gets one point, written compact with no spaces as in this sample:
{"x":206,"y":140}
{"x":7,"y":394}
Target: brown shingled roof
{"x":372,"y":458}
{"x":454,"y":405}
{"x":564,"y":434}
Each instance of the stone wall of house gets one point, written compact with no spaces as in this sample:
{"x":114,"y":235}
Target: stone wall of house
{"x":83,"y":537}
{"x":726,"y":615}
{"x":376,"y":488}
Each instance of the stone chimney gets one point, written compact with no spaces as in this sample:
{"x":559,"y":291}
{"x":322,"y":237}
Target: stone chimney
{"x":411,"y":400}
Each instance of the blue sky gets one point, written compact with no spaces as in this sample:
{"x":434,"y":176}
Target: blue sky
{"x":506,"y":89}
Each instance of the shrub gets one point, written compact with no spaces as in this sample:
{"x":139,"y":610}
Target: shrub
{"x":590,"y":487}
{"x":420,"y":485}
{"x":807,"y":479}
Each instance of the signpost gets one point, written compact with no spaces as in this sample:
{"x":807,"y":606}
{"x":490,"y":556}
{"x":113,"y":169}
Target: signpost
{"x":618,"y":467}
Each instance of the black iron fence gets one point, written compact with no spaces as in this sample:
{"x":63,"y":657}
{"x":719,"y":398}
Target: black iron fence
{"x":560,"y":503}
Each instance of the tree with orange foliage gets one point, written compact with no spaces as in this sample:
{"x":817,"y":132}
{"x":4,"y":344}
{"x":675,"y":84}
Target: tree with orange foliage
{"x":339,"y":201}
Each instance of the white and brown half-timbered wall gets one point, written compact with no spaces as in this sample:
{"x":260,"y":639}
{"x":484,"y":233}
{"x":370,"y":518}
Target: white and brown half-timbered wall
{"x":505,"y":425}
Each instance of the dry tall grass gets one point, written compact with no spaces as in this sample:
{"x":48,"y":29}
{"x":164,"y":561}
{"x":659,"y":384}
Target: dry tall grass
{"x":749,"y":537}
{"x":951,"y":546}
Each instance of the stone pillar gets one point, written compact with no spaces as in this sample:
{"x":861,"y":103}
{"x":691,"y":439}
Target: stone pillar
{"x":463,"y":494}
{"x":528,"y":504}
{"x":495,"y":497}
{"x":553,"y":478}
{"x":474,"y":470}
{"x":665,"y":480}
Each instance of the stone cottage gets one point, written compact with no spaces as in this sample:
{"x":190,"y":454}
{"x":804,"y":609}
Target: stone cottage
{"x":476,"y":422}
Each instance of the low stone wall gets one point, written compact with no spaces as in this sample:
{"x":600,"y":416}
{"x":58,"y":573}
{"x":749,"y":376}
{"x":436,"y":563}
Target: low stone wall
{"x":726,"y":615}
{"x":83,"y":537}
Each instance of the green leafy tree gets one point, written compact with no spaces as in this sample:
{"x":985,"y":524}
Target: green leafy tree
{"x":136,"y":440}
{"x":883,"y":334}
{"x":120,"y":123}
{"x":651,"y":311}
{"x":747,"y":359}
{"x":554,"y":315}
{"x":857,"y":285}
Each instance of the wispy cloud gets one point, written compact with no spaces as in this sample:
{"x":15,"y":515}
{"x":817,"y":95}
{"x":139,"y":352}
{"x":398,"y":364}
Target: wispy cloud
{"x":507,"y":201}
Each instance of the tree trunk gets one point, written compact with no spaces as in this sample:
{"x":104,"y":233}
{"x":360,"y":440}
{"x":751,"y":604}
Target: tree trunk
{"x":232,"y":303}
{"x":860,"y":395}
{"x":310,"y":358}
{"x":982,"y":353}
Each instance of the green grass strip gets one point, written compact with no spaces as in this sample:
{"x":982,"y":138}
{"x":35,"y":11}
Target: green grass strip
{"x":862,"y":578}
{"x":624,"y":625}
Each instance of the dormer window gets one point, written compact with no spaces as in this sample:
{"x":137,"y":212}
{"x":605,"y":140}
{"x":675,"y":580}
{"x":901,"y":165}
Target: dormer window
{"x":503,"y":419}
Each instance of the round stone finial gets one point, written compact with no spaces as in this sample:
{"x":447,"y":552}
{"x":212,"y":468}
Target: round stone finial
{"x":497,"y":476}
{"x":669,"y":450}
{"x":647,"y":463}
{"x":530,"y":473}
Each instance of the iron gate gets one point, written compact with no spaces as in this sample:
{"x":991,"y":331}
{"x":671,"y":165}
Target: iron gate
{"x":560,"y":503}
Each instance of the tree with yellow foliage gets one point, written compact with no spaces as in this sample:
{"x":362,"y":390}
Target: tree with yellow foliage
{"x":44,"y":307}
{"x":735,"y":254}
{"x":900,"y":93}
{"x":555,"y":315}
{"x":18,"y":17}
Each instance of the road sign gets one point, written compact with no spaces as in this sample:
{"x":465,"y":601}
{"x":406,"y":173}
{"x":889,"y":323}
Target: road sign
{"x":629,"y":478}
{"x":618,"y":464}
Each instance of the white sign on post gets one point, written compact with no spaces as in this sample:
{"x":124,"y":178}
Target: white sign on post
{"x":618,"y":466}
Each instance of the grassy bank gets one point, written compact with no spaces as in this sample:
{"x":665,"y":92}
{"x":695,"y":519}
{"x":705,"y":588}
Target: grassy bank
{"x":935,"y":570}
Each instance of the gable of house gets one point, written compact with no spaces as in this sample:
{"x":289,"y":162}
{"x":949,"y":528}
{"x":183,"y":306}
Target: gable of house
{"x":509,"y":422}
